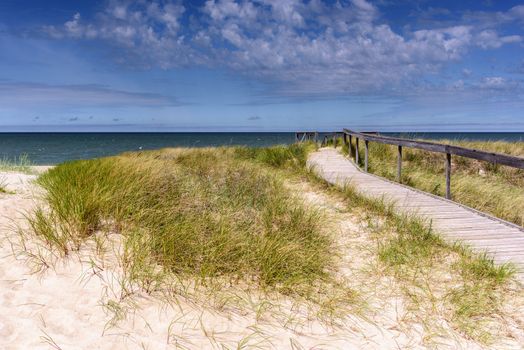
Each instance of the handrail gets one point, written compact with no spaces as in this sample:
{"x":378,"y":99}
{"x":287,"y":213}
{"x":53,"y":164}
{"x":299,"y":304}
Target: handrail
{"x":448,"y":150}
{"x":497,"y":158}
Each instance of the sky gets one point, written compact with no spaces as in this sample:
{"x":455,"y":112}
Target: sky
{"x":261,"y":65}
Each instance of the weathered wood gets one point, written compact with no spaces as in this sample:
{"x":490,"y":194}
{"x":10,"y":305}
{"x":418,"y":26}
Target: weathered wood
{"x":497,"y":158}
{"x":357,"y":155}
{"x":350,"y":145}
{"x":399,"y":164}
{"x":366,"y":155}
{"x":448,"y":175}
{"x":502,"y":240}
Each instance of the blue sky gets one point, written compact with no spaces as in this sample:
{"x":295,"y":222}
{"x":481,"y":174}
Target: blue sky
{"x":261,"y":65}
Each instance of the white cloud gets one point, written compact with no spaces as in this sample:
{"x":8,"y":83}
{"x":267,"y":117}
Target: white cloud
{"x":489,"y":39}
{"x":301,"y":48}
{"x":497,"y":83}
{"x":148,"y":30}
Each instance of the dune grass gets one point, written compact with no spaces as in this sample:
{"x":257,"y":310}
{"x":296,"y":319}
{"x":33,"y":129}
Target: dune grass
{"x":431,"y":271}
{"x":201,"y":213}
{"x":409,"y":247}
{"x":494,"y":189}
{"x":20,"y":164}
{"x":474,"y":287}
{"x":225,"y":213}
{"x":3,"y":188}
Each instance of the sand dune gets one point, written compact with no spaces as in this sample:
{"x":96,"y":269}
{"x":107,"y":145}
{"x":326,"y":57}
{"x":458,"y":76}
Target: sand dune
{"x":76,"y":304}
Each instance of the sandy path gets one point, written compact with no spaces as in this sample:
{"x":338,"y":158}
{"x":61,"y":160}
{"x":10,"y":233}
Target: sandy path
{"x":62,"y":308}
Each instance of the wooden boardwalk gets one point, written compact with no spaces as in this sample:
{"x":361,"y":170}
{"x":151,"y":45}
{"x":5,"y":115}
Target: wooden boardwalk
{"x":502,"y":240}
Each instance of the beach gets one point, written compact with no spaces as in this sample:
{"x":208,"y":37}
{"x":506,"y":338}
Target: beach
{"x":77,"y":301}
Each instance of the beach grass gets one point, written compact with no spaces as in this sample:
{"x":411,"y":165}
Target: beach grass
{"x":20,"y":164}
{"x":225,"y":213}
{"x":202,"y":213}
{"x":431,"y":271}
{"x":409,"y":246}
{"x":415,"y":255}
{"x":3,"y":188}
{"x":491,"y":188}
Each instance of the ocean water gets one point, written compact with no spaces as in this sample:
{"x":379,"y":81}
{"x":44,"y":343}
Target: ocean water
{"x":54,"y":148}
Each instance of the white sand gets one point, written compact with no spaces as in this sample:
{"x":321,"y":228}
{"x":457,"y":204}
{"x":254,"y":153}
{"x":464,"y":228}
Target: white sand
{"x":62,"y":307}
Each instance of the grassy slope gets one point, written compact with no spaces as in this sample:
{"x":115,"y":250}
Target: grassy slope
{"x":414,"y":254}
{"x":498,"y":190}
{"x":202,"y":213}
{"x":225,"y":212}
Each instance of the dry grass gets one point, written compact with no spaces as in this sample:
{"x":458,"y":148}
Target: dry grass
{"x":21,"y":164}
{"x":439,"y":279}
{"x":201,"y":215}
{"x":494,"y":189}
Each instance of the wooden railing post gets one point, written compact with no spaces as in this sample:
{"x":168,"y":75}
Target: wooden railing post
{"x":366,"y":154}
{"x":356,"y":151}
{"x":399,"y":164}
{"x":335,"y":140}
{"x":448,"y":175}
{"x":350,"y":145}
{"x":316,"y":137}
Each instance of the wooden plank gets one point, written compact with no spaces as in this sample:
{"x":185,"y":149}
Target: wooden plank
{"x":497,"y":158}
{"x":502,"y":241}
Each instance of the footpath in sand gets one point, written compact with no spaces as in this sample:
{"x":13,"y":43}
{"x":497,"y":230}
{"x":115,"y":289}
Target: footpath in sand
{"x":75,"y":303}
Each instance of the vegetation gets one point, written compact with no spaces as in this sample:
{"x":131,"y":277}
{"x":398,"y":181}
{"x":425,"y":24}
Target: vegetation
{"x":199,"y":213}
{"x":421,"y":260}
{"x":3,"y":188}
{"x":416,"y":256}
{"x":21,"y":164}
{"x":210,"y":214}
{"x":495,"y":189}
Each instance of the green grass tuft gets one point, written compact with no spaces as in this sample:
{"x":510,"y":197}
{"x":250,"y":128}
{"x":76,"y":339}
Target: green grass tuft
{"x":21,"y":164}
{"x":201,"y":212}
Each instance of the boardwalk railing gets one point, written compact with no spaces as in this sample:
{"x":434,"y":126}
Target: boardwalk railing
{"x":448,"y":150}
{"x":301,"y":136}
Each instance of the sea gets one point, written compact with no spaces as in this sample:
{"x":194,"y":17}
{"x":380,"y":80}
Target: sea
{"x":54,"y":148}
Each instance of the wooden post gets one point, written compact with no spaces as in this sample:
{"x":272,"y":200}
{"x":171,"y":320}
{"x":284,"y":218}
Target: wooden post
{"x":335,"y":140}
{"x":399,"y":164}
{"x":350,"y":145}
{"x":366,"y":154}
{"x":344,"y":138}
{"x":356,"y":151}
{"x":316,"y":137}
{"x":448,"y":175}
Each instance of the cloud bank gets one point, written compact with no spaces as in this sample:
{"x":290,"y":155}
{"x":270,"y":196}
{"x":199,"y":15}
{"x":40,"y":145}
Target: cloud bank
{"x":298,"y":48}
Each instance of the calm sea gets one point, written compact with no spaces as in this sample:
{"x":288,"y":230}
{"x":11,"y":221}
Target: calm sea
{"x":53,"y":148}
